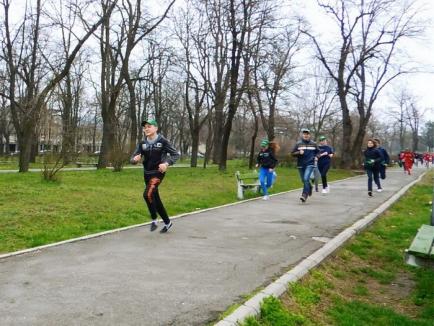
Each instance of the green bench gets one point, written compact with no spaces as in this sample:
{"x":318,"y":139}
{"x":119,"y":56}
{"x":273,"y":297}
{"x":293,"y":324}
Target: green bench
{"x":247,"y":181}
{"x":421,"y":251}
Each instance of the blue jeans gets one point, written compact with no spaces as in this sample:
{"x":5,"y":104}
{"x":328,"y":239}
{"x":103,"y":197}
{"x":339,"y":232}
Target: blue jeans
{"x":266,"y":179}
{"x":373,"y":174}
{"x":305,"y":173}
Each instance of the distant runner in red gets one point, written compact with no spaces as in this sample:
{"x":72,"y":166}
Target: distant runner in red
{"x":427,"y":159}
{"x":408,"y":158}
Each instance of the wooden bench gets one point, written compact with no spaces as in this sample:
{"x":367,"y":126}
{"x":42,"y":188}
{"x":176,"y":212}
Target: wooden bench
{"x":82,"y":164}
{"x":421,"y":251}
{"x":247,"y":181}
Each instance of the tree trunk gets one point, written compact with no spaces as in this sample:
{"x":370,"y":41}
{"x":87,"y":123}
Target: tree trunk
{"x":67,"y":134}
{"x":25,"y":145}
{"x":209,"y":142}
{"x":34,"y":147}
{"x":234,"y":92}
{"x":271,"y":120}
{"x":415,"y":138}
{"x":347,"y":131}
{"x":94,"y":127}
{"x":108,"y":140}
{"x":356,"y":152}
{"x":133,"y":112}
{"x":402,"y":139}
{"x":252,"y":144}
{"x":218,"y":129}
{"x":194,"y":147}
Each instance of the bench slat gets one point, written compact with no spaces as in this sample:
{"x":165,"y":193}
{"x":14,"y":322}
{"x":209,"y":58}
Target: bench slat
{"x":422,"y":244}
{"x":248,"y":176}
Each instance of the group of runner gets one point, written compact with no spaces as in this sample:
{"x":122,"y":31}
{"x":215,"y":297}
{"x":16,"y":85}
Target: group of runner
{"x":310,"y":158}
{"x":407,"y":158}
{"x":157,"y":154}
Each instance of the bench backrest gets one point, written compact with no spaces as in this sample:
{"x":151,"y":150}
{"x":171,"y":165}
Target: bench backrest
{"x":422,"y":244}
{"x":250,"y":176}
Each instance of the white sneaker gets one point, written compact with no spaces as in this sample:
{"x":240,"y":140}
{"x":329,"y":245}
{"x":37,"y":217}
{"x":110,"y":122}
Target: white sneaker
{"x":324,"y":191}
{"x":379,"y":190}
{"x":266,"y":197}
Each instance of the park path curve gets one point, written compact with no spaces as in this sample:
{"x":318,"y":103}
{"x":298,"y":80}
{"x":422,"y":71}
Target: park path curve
{"x":187,"y":277}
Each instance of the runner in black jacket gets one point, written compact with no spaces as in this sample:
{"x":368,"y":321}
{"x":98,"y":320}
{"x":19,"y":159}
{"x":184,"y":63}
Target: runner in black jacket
{"x":157,"y":154}
{"x":372,"y":163}
{"x":326,"y":153}
{"x":307,"y":153}
{"x":385,"y":159}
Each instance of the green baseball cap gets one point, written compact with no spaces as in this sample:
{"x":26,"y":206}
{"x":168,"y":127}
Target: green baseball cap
{"x":264,"y":142}
{"x":151,"y":122}
{"x":322,"y":138}
{"x":305,"y":131}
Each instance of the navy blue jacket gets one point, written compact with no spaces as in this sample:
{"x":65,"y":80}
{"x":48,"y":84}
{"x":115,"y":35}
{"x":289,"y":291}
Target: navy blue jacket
{"x":266,"y":159}
{"x":310,"y":149}
{"x":154,"y":153}
{"x":384,"y":155}
{"x":373,"y":158}
{"x":323,"y":160}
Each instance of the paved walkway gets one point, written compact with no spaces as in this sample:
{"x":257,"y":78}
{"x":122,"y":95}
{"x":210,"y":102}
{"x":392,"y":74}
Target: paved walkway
{"x":186,"y":277}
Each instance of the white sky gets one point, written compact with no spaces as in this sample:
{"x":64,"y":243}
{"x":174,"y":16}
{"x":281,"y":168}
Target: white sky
{"x":420,"y":51}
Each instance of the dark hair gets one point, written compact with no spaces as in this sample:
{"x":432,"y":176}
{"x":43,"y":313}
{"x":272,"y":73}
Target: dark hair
{"x":373,"y":141}
{"x":377,"y":140}
{"x":274,"y":146}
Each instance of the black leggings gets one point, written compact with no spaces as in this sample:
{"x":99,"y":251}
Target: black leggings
{"x":323,"y":169}
{"x":152,"y":198}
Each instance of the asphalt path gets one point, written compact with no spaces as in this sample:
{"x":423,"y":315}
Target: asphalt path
{"x":207,"y":261}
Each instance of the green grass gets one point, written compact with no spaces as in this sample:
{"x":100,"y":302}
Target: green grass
{"x":11,"y":162}
{"x":349,"y":313}
{"x":274,"y":314}
{"x":34,"y":212}
{"x":367,"y":281}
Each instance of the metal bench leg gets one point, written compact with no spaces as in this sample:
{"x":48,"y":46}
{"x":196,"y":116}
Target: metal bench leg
{"x":240,"y":192}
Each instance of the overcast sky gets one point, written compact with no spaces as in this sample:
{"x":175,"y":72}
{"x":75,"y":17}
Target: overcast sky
{"x":421,"y":51}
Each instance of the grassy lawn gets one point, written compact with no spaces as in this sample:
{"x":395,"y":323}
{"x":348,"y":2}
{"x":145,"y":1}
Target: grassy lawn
{"x":11,"y":163}
{"x":366,"y":282}
{"x":34,"y":212}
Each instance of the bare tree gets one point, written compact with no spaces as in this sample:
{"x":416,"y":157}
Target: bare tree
{"x":116,"y":47}
{"x":398,"y":114}
{"x":29,"y":84}
{"x":315,"y":104}
{"x":272,"y":74}
{"x":414,"y":118}
{"x":217,"y":14}
{"x":191,"y":32}
{"x":369,"y":33}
